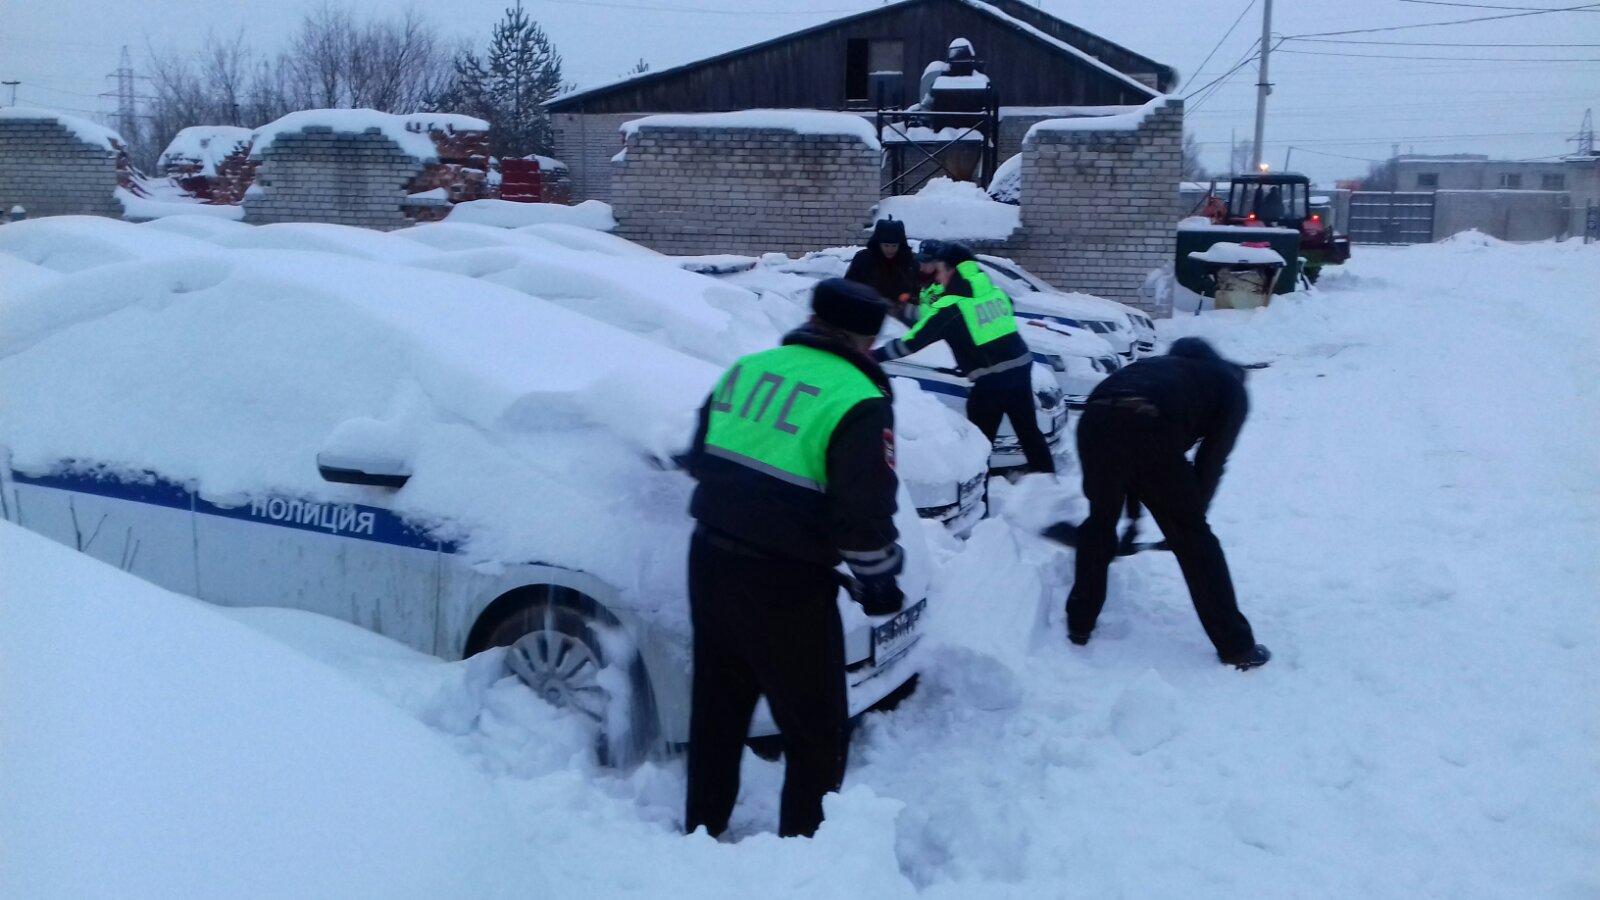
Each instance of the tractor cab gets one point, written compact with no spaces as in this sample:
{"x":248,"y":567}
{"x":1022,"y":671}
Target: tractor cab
{"x":1283,"y":200}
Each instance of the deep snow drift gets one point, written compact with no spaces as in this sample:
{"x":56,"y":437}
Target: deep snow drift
{"x":1410,"y":517}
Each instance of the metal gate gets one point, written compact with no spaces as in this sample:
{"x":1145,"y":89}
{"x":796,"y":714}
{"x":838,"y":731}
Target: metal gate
{"x":1391,"y":217}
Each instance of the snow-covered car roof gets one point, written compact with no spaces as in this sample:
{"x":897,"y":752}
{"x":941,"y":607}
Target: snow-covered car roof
{"x":73,"y":243}
{"x":230,"y":370}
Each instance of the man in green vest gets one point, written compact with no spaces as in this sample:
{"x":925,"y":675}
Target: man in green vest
{"x":976,"y":320}
{"x":794,"y":456}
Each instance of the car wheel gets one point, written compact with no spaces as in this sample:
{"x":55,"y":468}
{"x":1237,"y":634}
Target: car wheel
{"x":574,"y":655}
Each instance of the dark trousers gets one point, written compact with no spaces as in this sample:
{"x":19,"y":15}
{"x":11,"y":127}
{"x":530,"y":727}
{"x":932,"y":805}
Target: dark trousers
{"x":764,"y":627}
{"x":1125,"y":453}
{"x":1009,"y":395}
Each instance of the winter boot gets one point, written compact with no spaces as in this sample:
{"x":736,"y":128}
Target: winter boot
{"x":1255,"y":657}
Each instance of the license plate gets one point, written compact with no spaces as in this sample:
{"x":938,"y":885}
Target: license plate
{"x":896,"y":636}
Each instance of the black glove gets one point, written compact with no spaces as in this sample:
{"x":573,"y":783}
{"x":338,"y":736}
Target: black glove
{"x":880,"y":595}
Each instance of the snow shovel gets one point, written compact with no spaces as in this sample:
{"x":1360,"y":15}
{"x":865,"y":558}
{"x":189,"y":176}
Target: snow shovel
{"x":1066,"y":534}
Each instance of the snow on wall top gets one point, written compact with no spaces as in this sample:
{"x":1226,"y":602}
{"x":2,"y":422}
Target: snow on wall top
{"x":799,"y":121}
{"x":87,"y":131}
{"x":1061,"y":45}
{"x":1122,"y":121}
{"x":207,"y":144}
{"x":411,"y":131}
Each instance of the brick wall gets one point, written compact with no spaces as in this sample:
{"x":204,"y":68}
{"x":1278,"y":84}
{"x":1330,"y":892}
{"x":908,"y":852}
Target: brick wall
{"x":695,"y":190}
{"x":50,"y":171}
{"x":319,"y":175}
{"x":586,"y":144}
{"x":1098,"y":205}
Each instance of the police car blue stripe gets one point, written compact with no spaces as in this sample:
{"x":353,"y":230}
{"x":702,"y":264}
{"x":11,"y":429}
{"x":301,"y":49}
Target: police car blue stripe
{"x":938,"y":387}
{"x":1074,"y":323}
{"x":349,"y":520}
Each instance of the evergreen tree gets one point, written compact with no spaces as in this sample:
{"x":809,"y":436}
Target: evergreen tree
{"x":510,"y":86}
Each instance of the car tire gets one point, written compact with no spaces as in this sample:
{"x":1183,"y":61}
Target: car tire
{"x":575,"y":655}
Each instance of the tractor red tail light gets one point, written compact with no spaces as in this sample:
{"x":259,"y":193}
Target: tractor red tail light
{"x":1316,"y":218}
{"x":1252,"y":215}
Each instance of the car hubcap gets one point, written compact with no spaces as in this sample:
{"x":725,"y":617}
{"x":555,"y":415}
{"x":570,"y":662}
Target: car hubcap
{"x":559,"y":668}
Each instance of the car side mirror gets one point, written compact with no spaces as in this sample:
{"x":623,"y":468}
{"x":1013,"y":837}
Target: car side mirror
{"x":377,"y":471}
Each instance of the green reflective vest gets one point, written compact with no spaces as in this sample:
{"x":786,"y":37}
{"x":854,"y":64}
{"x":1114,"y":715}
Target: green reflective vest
{"x":775,"y":412}
{"x":987,"y":314}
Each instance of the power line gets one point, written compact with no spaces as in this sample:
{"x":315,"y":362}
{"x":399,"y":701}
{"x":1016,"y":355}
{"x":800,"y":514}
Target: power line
{"x":1433,"y":43}
{"x":1335,"y":142}
{"x":1249,"y":57}
{"x":1469,"y":59}
{"x":1515,"y":15}
{"x":1225,"y":35}
{"x":1492,"y":6}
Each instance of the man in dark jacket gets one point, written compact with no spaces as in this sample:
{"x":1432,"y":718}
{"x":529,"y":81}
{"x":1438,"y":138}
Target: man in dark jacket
{"x":795,"y":461}
{"x":976,"y":320}
{"x":1132,"y":439}
{"x":887,"y":265}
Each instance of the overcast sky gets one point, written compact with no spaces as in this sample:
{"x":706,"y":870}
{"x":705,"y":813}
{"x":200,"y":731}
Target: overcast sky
{"x":1334,"y":110}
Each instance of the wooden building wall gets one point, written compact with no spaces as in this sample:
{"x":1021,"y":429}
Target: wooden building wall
{"x":808,"y":70}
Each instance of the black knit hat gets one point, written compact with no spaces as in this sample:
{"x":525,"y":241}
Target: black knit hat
{"x":849,"y":306}
{"x":929,"y":250}
{"x":954,"y":254}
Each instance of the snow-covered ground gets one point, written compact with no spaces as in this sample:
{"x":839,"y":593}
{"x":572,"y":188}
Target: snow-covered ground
{"x":1410,"y":517}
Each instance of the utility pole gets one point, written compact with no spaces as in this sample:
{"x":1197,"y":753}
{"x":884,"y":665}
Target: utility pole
{"x":1263,"y":86}
{"x":13,"y":86}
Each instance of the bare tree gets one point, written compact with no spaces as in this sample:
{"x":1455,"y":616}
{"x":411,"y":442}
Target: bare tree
{"x":396,"y":64}
{"x":1193,"y":168}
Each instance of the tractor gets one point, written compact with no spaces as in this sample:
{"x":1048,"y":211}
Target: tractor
{"x":1283,"y":200}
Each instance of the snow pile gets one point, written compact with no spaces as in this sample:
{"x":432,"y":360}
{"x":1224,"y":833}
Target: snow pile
{"x":156,"y":749}
{"x":507,"y":214}
{"x":1118,"y":121}
{"x":204,"y":145}
{"x":86,"y":131}
{"x":798,"y":121}
{"x":171,"y":203}
{"x":403,"y":130}
{"x":1006,"y":185}
{"x":952,"y":210}
{"x":1225,"y":252}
